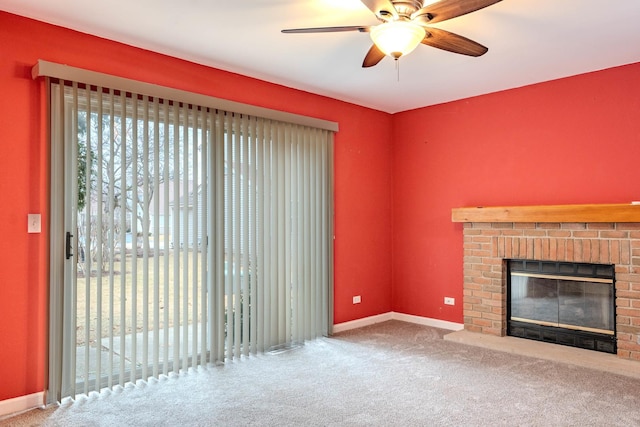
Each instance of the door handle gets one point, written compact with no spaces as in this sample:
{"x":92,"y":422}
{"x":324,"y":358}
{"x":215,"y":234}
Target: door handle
{"x":68,"y":253}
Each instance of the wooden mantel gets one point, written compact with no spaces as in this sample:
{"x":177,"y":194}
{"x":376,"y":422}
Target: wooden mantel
{"x":629,"y":212}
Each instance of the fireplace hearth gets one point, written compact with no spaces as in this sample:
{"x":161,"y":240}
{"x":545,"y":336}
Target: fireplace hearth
{"x":563,"y":303}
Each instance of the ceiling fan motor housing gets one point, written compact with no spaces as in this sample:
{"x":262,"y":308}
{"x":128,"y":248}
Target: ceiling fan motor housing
{"x":406,"y":8}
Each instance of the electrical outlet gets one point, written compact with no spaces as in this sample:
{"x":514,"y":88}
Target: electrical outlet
{"x":449,"y":301}
{"x":357,"y":299}
{"x":33,"y":223}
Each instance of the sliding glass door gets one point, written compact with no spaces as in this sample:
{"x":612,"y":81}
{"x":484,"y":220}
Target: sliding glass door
{"x":181,"y":235}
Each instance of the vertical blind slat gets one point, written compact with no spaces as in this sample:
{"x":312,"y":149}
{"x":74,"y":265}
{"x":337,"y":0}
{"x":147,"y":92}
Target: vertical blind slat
{"x":123,"y":244}
{"x":145,"y":239}
{"x":183,"y":239}
{"x":134,"y":237}
{"x":99,"y":264}
{"x":204,"y":245}
{"x":86,"y":261}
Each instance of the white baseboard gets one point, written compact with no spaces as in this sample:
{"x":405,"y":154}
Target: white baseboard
{"x":426,"y":321}
{"x":21,"y":404}
{"x":361,"y":323}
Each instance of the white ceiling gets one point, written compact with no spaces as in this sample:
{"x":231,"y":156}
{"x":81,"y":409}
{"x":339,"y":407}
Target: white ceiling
{"x":529,"y":41}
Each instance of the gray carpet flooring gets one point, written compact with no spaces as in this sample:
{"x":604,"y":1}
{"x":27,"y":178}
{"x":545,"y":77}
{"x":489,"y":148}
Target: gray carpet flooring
{"x":389,"y":374}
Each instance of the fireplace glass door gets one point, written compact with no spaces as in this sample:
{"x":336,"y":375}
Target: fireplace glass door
{"x":567,"y":303}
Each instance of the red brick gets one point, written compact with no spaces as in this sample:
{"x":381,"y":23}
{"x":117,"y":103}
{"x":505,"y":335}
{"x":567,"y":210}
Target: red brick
{"x":473,"y":314}
{"x":623,"y":320}
{"x":482,"y":322}
{"x":548,"y":225}
{"x":585,"y":234}
{"x":577,"y":250}
{"x":502,"y":225}
{"x":562,"y":250}
{"x":473,"y":260}
{"x":492,"y":261}
{"x":628,"y":226}
{"x":481,"y":309}
{"x":481,"y":267}
{"x":601,"y":226}
{"x":623,"y":302}
{"x":586,"y":250}
{"x":625,"y":252}
{"x":544,"y":243}
{"x":595,"y":250}
{"x":491,"y":233}
{"x":491,"y":316}
{"x":625,"y":345}
{"x":553,"y":249}
{"x":569,"y":255}
{"x":508,"y":253}
{"x":501,"y":311}
{"x":530,"y":246}
{"x":559,"y":233}
{"x":523,"y":247}
{"x":573,"y":226}
{"x":512,"y":233}
{"x":497,"y":247}
{"x":492,"y":303}
{"x":482,"y":225}
{"x":493,"y":275}
{"x":631,"y":312}
{"x":622,"y":269}
{"x":470,"y":288}
{"x":482,"y":239}
{"x":614,"y":251}
{"x":634,"y":278}
{"x":482,"y":281}
{"x":624,"y":354}
{"x":524,"y":225}
{"x":481,"y":253}
{"x":605,"y":256}
{"x":614,"y":234}
{"x":471,"y":232}
{"x":537,"y":249}
{"x":471,"y":245}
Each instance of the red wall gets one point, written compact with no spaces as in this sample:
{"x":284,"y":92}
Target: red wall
{"x":362,"y":179}
{"x":397,"y":177}
{"x":575,"y":140}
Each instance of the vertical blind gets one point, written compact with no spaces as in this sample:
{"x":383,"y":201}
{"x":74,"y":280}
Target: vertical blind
{"x":197,"y":236}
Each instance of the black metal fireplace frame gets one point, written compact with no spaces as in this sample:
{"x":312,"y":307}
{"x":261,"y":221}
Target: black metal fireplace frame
{"x":575,"y":338}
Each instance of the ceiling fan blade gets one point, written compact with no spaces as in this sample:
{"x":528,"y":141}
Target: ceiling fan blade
{"x":374,"y":56}
{"x":361,"y":28}
{"x":381,"y":8}
{"x":453,"y":43}
{"x":447,"y":9}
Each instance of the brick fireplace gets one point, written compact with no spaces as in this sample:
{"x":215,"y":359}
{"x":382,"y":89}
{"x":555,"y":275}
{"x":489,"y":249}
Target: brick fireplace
{"x":598,"y":234}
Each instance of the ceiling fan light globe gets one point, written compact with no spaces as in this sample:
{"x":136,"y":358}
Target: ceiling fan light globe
{"x":397,"y":38}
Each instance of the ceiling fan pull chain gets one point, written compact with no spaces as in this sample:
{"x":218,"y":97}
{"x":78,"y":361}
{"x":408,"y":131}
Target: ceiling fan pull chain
{"x":397,"y":69}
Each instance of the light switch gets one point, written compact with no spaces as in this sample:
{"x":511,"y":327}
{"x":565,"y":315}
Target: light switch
{"x":33,"y":223}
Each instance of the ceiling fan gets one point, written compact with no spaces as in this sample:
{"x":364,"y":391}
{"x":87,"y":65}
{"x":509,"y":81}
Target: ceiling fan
{"x":406,"y":24}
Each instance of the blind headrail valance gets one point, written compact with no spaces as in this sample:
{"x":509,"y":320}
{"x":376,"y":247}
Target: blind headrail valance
{"x":66,"y":72}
